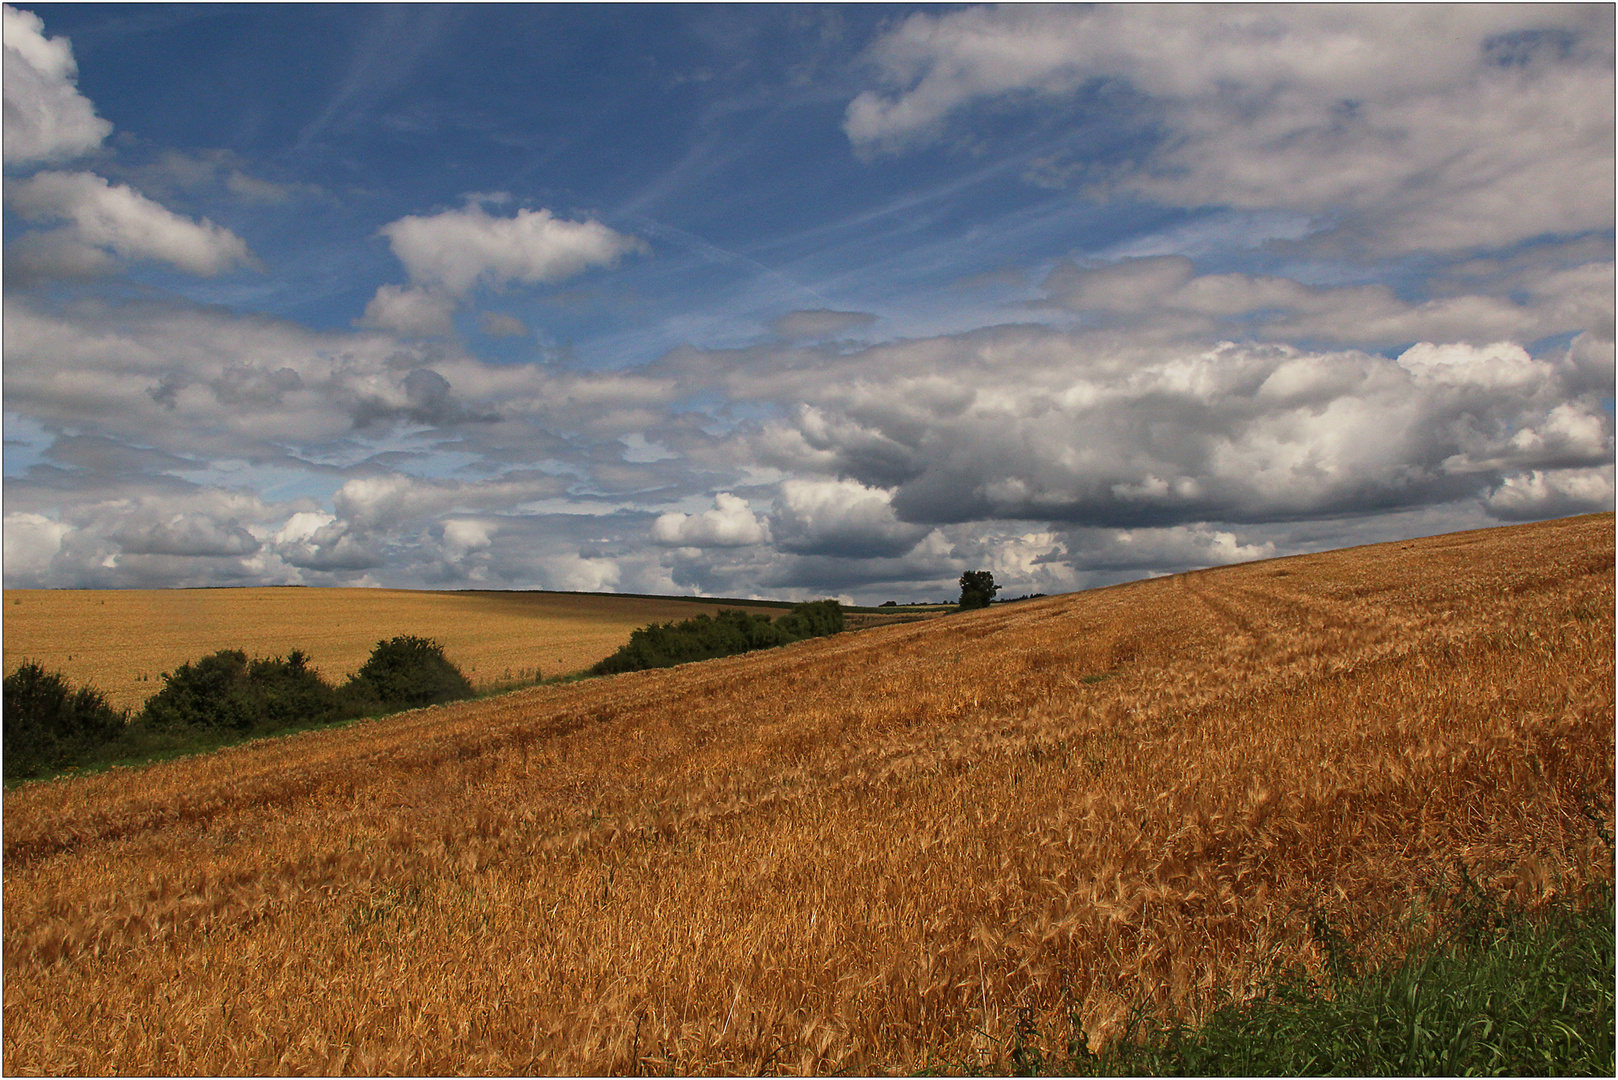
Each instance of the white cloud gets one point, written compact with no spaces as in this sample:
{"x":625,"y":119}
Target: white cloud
{"x":47,"y":120}
{"x":112,"y":219}
{"x":1499,"y":366}
{"x":31,"y":541}
{"x":397,"y":503}
{"x":576,"y":573}
{"x":468,"y":535}
{"x":1553,"y":493}
{"x":458,"y":250}
{"x":1025,"y":423}
{"x":731,"y":523}
{"x":1414,"y":126}
{"x":841,"y":517}
{"x":186,"y":534}
{"x":411,"y":312}
{"x":136,"y":531}
{"x":316,"y":541}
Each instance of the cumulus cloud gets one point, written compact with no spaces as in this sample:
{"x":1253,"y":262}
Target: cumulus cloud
{"x":1547,"y":493}
{"x":106,"y":220}
{"x":135,"y":531}
{"x":818,"y":323}
{"x":464,"y":536}
{"x":47,"y":120}
{"x":731,"y":523}
{"x":31,"y":541}
{"x":317,"y":541}
{"x":1026,"y":423}
{"x":1437,"y":127}
{"x":841,"y":517}
{"x":458,"y":250}
{"x":448,"y":255}
{"x":186,"y":534}
{"x":410,"y":312}
{"x":397,"y":502}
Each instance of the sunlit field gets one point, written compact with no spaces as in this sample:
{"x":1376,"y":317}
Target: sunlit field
{"x":922,"y":845}
{"x":121,"y":641}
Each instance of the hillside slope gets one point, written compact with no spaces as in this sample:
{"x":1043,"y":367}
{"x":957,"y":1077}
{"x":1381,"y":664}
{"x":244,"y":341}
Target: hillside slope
{"x":122,"y":640}
{"x":851,"y":853}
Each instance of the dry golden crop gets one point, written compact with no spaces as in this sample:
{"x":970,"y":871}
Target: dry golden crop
{"x":860,"y":853}
{"x":121,"y":641}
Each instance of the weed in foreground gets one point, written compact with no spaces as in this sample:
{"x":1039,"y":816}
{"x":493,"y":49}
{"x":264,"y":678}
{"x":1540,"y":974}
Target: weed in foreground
{"x":1535,"y":1000}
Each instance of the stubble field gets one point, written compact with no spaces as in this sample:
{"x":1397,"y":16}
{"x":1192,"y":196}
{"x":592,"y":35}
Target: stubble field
{"x":121,"y":641}
{"x":919,"y":843}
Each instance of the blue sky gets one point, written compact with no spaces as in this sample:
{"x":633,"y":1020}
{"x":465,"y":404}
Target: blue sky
{"x":793,"y":300}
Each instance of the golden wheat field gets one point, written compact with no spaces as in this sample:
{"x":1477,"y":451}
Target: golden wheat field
{"x":865,"y":853}
{"x":121,"y":641}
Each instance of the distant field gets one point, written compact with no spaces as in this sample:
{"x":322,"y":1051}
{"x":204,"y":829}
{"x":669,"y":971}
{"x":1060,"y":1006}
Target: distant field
{"x":928,"y":845}
{"x":121,"y":641}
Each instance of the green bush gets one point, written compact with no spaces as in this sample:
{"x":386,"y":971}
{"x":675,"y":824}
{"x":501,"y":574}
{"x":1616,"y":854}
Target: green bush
{"x":406,"y":673}
{"x":227,"y":692}
{"x":725,"y":634}
{"x":817,"y":619}
{"x":49,"y":725}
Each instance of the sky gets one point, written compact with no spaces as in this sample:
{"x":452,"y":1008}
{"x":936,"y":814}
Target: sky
{"x":794,"y":301}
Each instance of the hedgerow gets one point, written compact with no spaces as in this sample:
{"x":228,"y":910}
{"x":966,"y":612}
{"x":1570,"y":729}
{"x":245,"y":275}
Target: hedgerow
{"x":727,"y":633}
{"x":49,"y":725}
{"x":221,"y":698}
{"x":227,"y":692}
{"x":406,"y":673}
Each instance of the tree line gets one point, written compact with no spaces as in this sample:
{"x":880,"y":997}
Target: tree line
{"x":49,"y":725}
{"x":727,"y":633}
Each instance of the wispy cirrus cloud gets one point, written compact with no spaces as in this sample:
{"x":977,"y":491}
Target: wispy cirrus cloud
{"x":1425,"y":127}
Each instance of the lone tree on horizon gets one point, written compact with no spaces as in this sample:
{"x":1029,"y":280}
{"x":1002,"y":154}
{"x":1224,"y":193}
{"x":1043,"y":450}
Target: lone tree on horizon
{"x":977,"y":589}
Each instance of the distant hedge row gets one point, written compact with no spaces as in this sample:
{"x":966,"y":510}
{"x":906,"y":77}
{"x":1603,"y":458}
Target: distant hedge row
{"x":725,"y":634}
{"x":51,"y":726}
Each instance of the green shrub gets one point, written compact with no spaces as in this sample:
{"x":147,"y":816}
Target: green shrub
{"x":406,"y":673}
{"x":817,"y":619}
{"x":49,"y":725}
{"x":227,"y":692}
{"x":725,"y":634}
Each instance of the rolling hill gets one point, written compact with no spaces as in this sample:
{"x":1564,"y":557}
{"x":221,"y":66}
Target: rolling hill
{"x":868,"y":852}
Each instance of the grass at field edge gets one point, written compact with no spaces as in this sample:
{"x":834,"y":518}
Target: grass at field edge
{"x":1501,"y":992}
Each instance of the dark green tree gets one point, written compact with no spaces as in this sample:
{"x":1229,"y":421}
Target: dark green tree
{"x":49,"y":725}
{"x":227,"y":692}
{"x":977,"y":589}
{"x":406,"y":673}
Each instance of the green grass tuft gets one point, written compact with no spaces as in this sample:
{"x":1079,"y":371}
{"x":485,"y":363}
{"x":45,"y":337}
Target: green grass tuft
{"x":1534,"y":999}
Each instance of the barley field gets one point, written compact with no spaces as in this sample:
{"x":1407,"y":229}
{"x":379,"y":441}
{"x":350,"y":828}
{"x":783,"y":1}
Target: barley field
{"x":875,"y":852}
{"x":121,"y":641}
